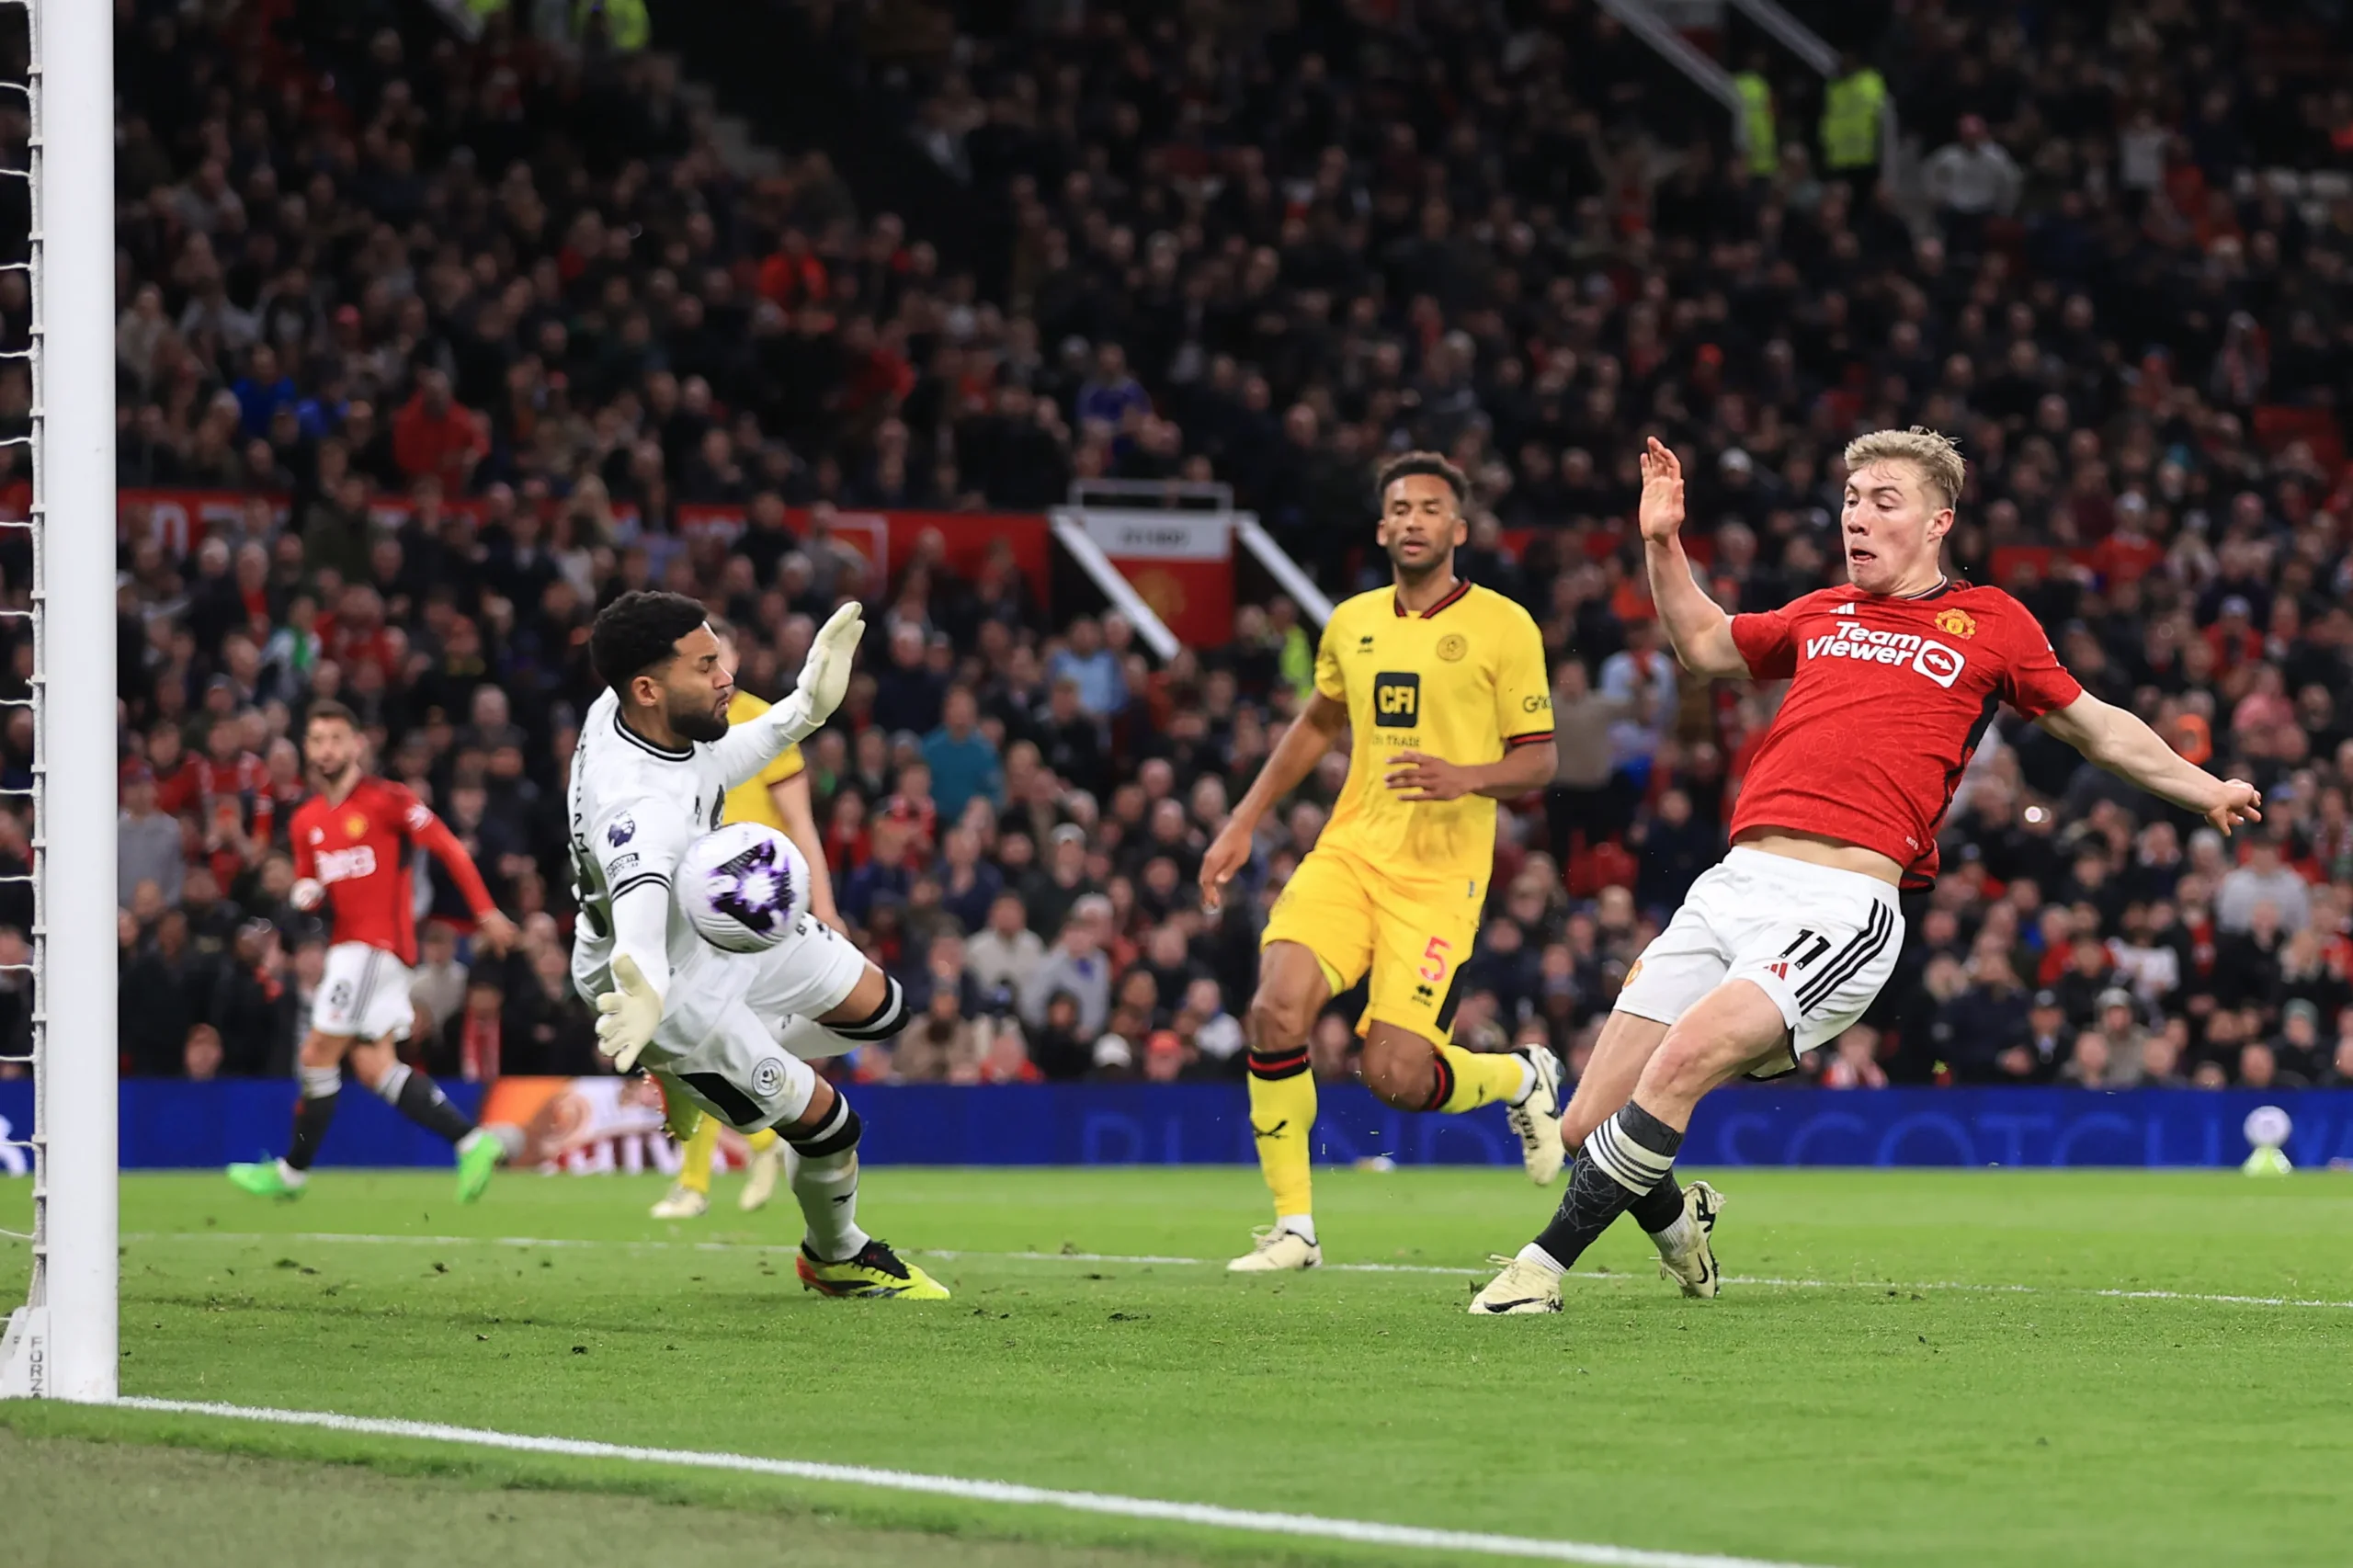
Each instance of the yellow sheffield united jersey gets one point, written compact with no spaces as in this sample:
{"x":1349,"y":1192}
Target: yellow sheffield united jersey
{"x":750,"y":800}
{"x":1464,"y":681}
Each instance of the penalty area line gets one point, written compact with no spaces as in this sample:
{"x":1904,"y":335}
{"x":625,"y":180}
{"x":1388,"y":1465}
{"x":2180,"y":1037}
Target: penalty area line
{"x":1311,"y":1526}
{"x":952,"y":1254}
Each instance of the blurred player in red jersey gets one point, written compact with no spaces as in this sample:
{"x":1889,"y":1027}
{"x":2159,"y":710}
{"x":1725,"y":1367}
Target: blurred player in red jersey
{"x":1782,"y":945}
{"x":353,"y":851}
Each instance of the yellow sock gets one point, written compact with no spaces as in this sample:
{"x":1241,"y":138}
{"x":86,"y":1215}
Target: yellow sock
{"x":1283,"y":1115}
{"x":1480,"y":1077}
{"x":694,"y":1163}
{"x":762,"y":1141}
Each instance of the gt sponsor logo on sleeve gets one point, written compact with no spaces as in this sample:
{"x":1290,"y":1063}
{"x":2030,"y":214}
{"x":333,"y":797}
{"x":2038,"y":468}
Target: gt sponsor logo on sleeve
{"x":1871,"y":645}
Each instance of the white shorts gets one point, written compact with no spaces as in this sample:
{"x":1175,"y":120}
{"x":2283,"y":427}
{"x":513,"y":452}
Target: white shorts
{"x":1819,"y":941}
{"x":728,"y":1032}
{"x":363,"y":994}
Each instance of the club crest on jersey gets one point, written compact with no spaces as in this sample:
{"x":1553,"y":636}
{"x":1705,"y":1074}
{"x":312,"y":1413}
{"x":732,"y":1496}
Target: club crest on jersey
{"x":1869,"y":646}
{"x":621,"y":832}
{"x":1452,"y":646}
{"x":355,"y":825}
{"x":1956,"y":623}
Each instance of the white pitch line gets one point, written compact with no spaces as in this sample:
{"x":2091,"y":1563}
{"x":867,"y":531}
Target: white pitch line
{"x":1312,"y":1526}
{"x":2110,"y":1292}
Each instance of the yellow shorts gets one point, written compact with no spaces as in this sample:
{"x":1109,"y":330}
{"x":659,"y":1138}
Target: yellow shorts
{"x":1412,"y":934}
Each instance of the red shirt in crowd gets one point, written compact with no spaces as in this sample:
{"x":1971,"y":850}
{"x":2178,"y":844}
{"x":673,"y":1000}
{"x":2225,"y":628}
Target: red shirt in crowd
{"x":360,"y":849}
{"x":1888,"y":700}
{"x":443,"y":445}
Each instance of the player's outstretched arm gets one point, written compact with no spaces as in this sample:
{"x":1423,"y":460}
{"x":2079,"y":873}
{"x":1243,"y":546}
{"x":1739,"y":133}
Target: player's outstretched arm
{"x":1294,"y":758}
{"x":750,"y":746}
{"x":2117,"y":741}
{"x":628,"y":1014}
{"x":1696,"y":624}
{"x":493,"y":929}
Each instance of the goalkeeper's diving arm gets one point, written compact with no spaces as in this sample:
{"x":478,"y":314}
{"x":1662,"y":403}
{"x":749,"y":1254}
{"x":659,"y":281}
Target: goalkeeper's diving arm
{"x":628,"y":1015}
{"x":748,"y":747}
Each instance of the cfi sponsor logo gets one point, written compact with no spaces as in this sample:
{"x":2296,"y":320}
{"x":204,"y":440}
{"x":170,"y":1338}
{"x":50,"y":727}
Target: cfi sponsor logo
{"x":1956,"y":623}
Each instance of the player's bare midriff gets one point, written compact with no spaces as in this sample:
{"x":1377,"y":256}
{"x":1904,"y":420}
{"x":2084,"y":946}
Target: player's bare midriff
{"x":1817,"y":850}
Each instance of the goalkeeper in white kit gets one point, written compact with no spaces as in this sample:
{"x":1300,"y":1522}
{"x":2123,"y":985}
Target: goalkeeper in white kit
{"x":727,"y":1034}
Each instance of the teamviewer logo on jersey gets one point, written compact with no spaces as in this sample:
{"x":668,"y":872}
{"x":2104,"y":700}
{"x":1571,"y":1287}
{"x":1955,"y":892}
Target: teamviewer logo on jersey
{"x":1871,"y":645}
{"x":1396,"y":700}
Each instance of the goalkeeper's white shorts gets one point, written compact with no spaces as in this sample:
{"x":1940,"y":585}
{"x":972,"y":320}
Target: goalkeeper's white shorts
{"x":733,"y":1027}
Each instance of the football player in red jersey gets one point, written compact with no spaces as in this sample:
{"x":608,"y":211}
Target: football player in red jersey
{"x":354,"y":844}
{"x":1782,"y":945}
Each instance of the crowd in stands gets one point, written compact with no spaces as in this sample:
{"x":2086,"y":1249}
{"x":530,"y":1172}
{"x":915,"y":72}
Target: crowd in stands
{"x":472,"y":324}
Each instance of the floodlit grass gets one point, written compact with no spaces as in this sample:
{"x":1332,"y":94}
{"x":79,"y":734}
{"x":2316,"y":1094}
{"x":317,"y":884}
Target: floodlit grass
{"x":1885,"y":1399}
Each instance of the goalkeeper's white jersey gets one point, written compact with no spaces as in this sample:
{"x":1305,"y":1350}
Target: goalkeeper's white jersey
{"x":635,"y":807}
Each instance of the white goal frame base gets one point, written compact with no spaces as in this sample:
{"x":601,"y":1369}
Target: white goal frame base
{"x":24,"y":1355}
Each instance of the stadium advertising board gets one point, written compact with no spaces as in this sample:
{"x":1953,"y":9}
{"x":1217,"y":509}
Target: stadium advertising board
{"x":596,"y":1125}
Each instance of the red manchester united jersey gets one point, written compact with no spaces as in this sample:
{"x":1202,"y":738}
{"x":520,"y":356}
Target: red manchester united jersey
{"x":1888,"y":700}
{"x":360,"y":848}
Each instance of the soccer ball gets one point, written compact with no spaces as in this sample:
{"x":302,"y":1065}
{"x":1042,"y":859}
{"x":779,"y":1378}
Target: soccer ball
{"x":743,"y":887}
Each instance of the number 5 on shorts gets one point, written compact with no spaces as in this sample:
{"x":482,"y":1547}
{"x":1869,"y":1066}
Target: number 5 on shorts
{"x":1433,"y":968}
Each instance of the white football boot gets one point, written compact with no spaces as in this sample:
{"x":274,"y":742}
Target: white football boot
{"x":1694,"y":1267}
{"x":1522,"y":1289}
{"x":682,"y":1203}
{"x":1276,"y":1252}
{"x":760,"y":1176}
{"x":1537,"y":1119}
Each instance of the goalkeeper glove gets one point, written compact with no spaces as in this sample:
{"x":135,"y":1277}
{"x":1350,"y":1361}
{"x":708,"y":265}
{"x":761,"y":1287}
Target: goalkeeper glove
{"x":627,"y":1018}
{"x":825,"y":673}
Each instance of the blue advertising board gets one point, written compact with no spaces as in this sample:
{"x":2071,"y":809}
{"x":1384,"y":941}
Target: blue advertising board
{"x":169,"y":1124}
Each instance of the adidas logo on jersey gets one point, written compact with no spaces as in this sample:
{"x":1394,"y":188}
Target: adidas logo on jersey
{"x":1847,"y":608}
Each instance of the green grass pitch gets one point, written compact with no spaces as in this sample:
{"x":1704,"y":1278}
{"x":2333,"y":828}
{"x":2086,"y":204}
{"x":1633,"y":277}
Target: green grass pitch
{"x":1920,"y":1368}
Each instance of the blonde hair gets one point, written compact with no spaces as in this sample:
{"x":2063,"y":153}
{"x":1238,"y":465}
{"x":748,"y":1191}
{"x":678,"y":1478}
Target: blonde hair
{"x":1934,"y":453}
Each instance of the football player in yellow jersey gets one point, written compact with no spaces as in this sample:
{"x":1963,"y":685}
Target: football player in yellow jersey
{"x":777,"y":798}
{"x":1441,"y":685}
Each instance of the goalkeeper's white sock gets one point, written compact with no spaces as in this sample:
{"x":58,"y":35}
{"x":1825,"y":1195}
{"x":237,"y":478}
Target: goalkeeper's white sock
{"x":823,"y":1176}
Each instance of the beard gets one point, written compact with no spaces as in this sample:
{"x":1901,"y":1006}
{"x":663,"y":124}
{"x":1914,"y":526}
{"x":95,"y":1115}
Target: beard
{"x":698,"y":724}
{"x":1423,"y":573}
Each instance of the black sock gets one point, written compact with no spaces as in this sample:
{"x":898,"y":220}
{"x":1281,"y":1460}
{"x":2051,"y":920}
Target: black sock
{"x":417,"y":1097}
{"x":311,"y":1119}
{"x":1660,"y":1207}
{"x":1627,"y":1156}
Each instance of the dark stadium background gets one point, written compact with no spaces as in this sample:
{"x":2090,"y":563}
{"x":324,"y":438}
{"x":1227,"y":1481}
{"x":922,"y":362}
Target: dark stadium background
{"x":429,"y":346}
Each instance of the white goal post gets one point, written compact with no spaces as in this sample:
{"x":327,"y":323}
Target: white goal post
{"x":62,"y":1343}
